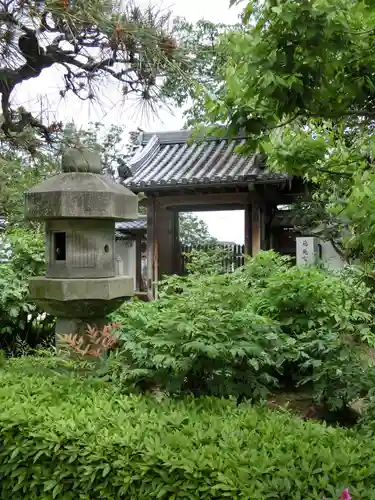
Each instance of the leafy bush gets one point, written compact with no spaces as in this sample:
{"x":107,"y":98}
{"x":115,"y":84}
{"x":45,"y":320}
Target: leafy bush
{"x":22,"y":325}
{"x":326,"y":316}
{"x":191,"y":342}
{"x":360,"y":275}
{"x":244,"y":333}
{"x":65,"y":437}
{"x":367,"y":420}
{"x":211,"y":260}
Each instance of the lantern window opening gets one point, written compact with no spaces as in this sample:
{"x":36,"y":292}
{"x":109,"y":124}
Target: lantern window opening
{"x":59,"y":246}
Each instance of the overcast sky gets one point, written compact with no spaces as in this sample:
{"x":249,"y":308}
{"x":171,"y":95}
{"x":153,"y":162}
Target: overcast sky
{"x":43,"y":93}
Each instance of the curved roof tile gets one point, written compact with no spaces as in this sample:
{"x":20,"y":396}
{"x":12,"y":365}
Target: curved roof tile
{"x":171,"y":159}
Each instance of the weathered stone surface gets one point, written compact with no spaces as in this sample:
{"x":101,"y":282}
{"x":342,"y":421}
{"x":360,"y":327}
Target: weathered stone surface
{"x":90,"y":248}
{"x":80,"y":207}
{"x":80,"y":195}
{"x":83,"y":310}
{"x":85,"y":289}
{"x":81,"y":160}
{"x":81,"y":298}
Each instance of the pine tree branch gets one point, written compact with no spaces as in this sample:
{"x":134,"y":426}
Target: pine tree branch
{"x":132,"y":52}
{"x":10,"y":78}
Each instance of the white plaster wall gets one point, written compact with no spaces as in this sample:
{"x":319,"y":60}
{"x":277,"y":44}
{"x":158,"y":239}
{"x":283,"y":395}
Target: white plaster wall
{"x":126,"y":250}
{"x":310,"y":246}
{"x":329,"y":256}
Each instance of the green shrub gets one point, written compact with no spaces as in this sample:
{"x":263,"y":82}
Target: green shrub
{"x":22,"y":325}
{"x":193,"y":342}
{"x":65,"y":437}
{"x":367,"y":420}
{"x":264,"y":265}
{"x":359,"y":276}
{"x":245,"y":332}
{"x":309,"y":299}
{"x":327,"y":317}
{"x":211,"y":260}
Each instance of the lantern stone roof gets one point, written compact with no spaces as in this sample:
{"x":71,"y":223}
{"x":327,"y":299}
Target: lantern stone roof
{"x":80,"y":191}
{"x":139,"y":224}
{"x":176,"y":159}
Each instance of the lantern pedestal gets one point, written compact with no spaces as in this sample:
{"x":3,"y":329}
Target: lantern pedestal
{"x":80,"y":302}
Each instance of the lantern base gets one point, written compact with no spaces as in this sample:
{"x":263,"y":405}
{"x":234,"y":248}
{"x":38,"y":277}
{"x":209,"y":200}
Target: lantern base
{"x":77,"y":303}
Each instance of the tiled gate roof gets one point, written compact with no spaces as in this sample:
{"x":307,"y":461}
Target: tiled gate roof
{"x":170,"y":159}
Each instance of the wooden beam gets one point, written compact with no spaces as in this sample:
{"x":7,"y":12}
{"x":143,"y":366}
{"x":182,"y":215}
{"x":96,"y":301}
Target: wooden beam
{"x":176,"y":242}
{"x":198,"y":200}
{"x":293,"y":185}
{"x":190,"y":202}
{"x":156,"y":269}
{"x":165,"y":231}
{"x":162,"y":227}
{"x":208,"y":208}
{"x":269,"y":212}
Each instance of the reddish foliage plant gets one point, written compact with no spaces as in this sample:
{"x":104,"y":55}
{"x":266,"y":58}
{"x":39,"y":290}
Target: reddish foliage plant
{"x":95,"y":341}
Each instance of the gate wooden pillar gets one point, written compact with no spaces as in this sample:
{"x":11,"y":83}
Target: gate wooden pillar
{"x":151,"y":248}
{"x":248,"y":229}
{"x":269,"y":236}
{"x":138,"y":263}
{"x":162,"y":234}
{"x":258,"y":233}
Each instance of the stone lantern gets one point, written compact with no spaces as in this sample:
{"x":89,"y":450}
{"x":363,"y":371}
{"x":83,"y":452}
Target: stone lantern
{"x":80,"y":207}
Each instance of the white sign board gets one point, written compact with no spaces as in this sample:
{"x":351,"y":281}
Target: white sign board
{"x":307,"y":250}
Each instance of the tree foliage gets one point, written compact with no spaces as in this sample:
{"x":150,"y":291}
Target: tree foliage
{"x":194,"y":231}
{"x":23,"y":326}
{"x":16,"y":176}
{"x":300,"y":84}
{"x":204,"y":60}
{"x":91,"y":43}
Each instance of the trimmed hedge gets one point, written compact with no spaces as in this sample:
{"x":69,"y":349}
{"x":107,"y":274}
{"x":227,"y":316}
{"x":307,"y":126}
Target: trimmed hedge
{"x":65,"y":437}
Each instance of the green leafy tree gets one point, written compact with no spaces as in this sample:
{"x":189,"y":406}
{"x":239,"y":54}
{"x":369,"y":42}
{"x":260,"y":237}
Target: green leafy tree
{"x":204,"y":60}
{"x":16,"y":176}
{"x":23,"y":326}
{"x":91,"y":43}
{"x":194,"y":231}
{"x":300,"y":84}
